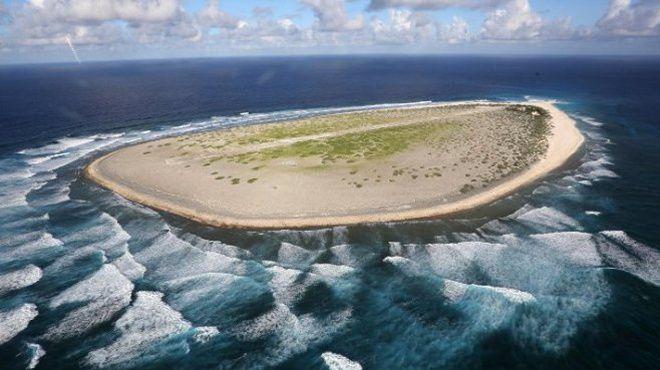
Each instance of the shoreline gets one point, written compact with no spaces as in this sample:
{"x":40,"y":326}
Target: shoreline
{"x":563,"y":142}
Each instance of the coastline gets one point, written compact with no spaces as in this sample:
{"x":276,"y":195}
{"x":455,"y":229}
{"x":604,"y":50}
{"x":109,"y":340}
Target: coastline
{"x":563,"y":142}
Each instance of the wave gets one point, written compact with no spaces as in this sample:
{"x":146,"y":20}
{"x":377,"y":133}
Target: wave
{"x":29,"y":246}
{"x":168,"y":250}
{"x":577,"y":248}
{"x":336,"y":361}
{"x":621,"y":251}
{"x":128,"y":267}
{"x":288,"y":285}
{"x":287,"y":334}
{"x":149,"y":330}
{"x":15,"y":321}
{"x":217,"y":299}
{"x":353,"y":255}
{"x":590,"y":120}
{"x":36,"y":352}
{"x":455,"y":291}
{"x":597,"y":169}
{"x":216,"y":246}
{"x":104,"y":294}
{"x":330,"y":270}
{"x":59,"y":146}
{"x":204,"y":334}
{"x":102,"y":232}
{"x":547,"y":218}
{"x":293,"y":255}
{"x":19,"y":279}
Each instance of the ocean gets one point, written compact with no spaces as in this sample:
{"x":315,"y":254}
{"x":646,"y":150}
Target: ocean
{"x":564,"y":274}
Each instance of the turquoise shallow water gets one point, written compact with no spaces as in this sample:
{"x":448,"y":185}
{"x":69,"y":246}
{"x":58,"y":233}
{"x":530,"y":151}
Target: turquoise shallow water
{"x":563,"y":274}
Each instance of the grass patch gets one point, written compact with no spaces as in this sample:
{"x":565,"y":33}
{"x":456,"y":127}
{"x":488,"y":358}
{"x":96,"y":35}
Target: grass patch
{"x":372,"y":144}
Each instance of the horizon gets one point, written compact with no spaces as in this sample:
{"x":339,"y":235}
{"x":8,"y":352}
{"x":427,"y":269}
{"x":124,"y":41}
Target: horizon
{"x":90,"y":62}
{"x":51,"y":31}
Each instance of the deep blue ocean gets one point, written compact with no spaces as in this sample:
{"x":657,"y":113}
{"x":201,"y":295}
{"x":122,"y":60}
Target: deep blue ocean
{"x":564,"y":274}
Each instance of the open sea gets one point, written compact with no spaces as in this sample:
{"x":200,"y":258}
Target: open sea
{"x":564,"y":274}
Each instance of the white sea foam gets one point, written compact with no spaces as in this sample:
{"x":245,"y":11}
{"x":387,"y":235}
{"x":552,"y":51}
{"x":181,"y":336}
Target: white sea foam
{"x":19,"y":279}
{"x":455,"y":291}
{"x":106,"y":282}
{"x":513,"y":295}
{"x":129,"y":267}
{"x":54,"y":196}
{"x":105,"y":233}
{"x":287,"y":285}
{"x":575,"y":247}
{"x":167,"y":250}
{"x":59,"y":146}
{"x":44,"y":244}
{"x":203,"y":334}
{"x":279,"y":318}
{"x":36,"y":353}
{"x":13,"y":240}
{"x":352,"y":255}
{"x":590,"y":120}
{"x":200,"y":295}
{"x":145,"y":325}
{"x":104,"y":293}
{"x":71,"y":260}
{"x":288,"y":334}
{"x":336,"y":361}
{"x":592,"y":213}
{"x":623,"y":252}
{"x":404,"y":264}
{"x":293,"y":255}
{"x":330,"y":270}
{"x":454,"y":259}
{"x":597,"y":169}
{"x":27,"y":222}
{"x":15,"y":321}
{"x":216,"y":246}
{"x":14,"y":193}
{"x":547,"y":219}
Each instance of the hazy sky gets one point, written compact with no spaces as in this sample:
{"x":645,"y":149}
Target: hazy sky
{"x":37,"y":30}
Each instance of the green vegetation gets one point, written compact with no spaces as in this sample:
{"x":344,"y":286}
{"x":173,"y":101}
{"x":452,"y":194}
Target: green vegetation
{"x":480,"y":143}
{"x":363,"y":145}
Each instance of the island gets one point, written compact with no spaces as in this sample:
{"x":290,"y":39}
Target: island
{"x":365,"y":166}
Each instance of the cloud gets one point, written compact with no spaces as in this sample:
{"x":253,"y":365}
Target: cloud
{"x":101,"y":22}
{"x":456,"y":32}
{"x":432,"y":4}
{"x":624,"y":18}
{"x":153,"y":25}
{"x":211,"y":16}
{"x":403,"y":27}
{"x":331,"y":15}
{"x":515,"y":20}
{"x":136,"y":11}
{"x":266,"y":32}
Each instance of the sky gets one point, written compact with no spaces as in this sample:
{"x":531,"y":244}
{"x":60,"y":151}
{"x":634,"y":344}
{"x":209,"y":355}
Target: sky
{"x":86,"y":30}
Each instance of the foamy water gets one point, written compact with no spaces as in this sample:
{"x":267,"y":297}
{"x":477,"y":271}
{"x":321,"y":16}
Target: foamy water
{"x":108,"y":283}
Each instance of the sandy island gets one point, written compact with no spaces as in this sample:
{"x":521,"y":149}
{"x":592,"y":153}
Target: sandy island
{"x":348,"y":168}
